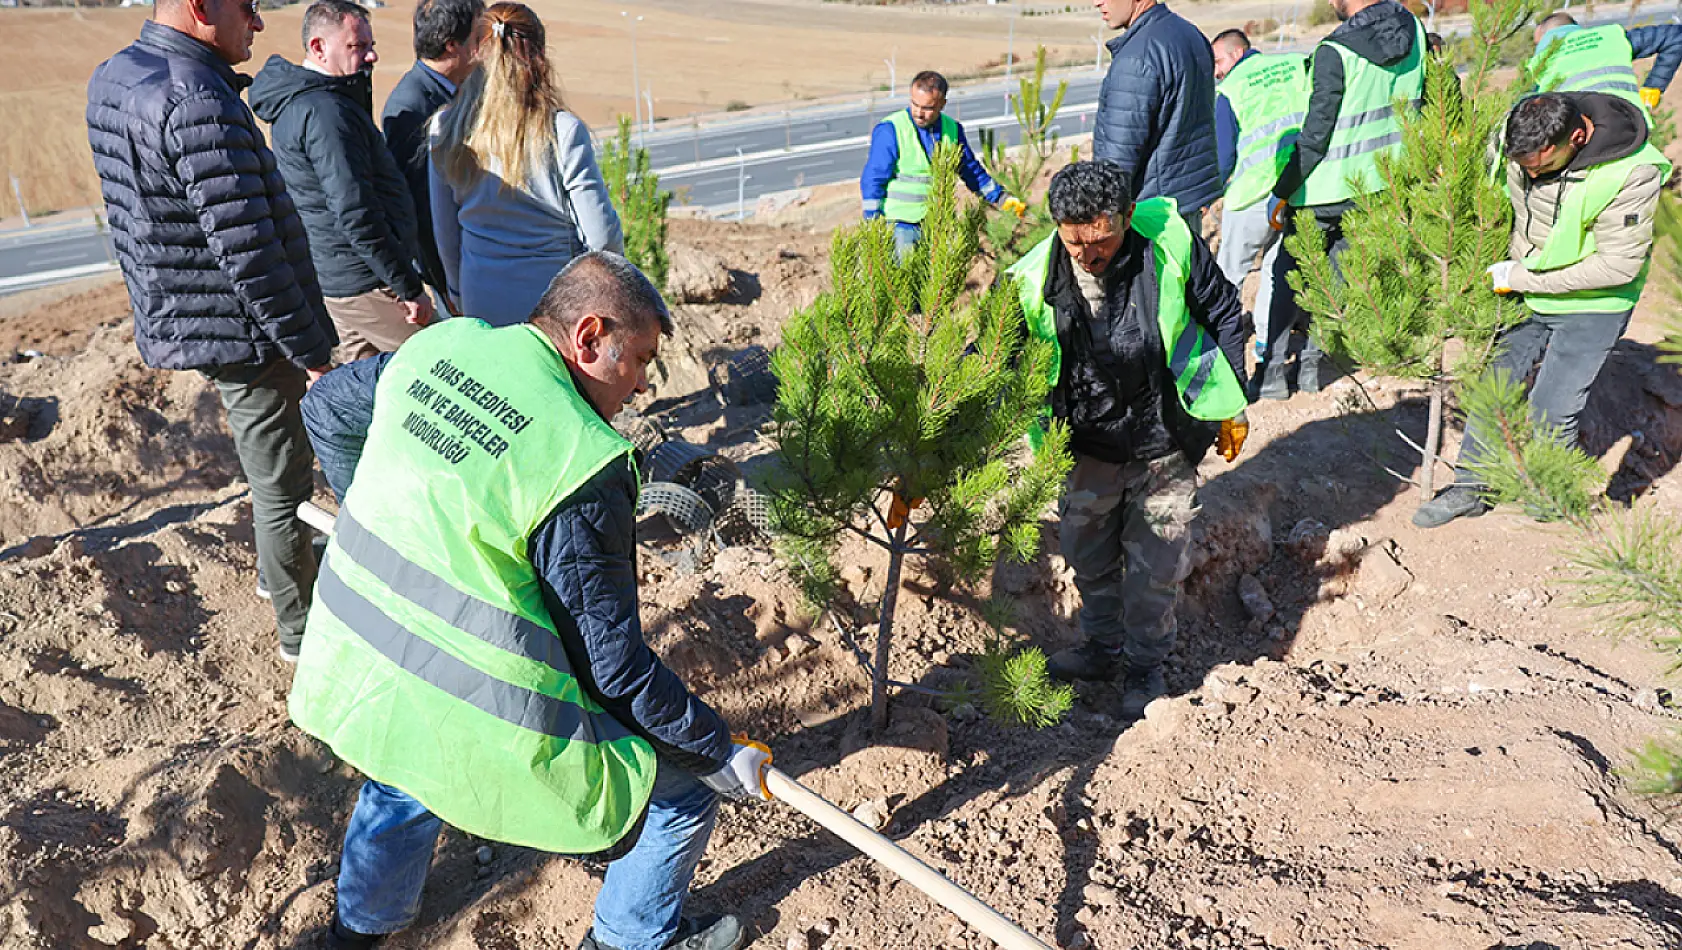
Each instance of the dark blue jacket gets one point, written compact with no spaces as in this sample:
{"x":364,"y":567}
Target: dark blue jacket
{"x":215,"y":258}
{"x":884,"y":156}
{"x":585,"y":556}
{"x":411,"y":105}
{"x":351,"y":196}
{"x":1226,"y":129}
{"x":1664,"y":43}
{"x":1156,"y":110}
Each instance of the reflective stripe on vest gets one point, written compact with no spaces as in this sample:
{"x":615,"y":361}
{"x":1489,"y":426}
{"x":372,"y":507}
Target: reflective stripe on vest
{"x":1367,"y":124}
{"x":908,"y":190}
{"x":1599,"y":59}
{"x":1269,"y":96}
{"x":1572,"y":237}
{"x":1207,"y":386}
{"x":430,"y":661}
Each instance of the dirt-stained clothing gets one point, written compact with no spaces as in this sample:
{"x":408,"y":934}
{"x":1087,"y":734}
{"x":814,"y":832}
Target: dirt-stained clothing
{"x":1124,"y":532}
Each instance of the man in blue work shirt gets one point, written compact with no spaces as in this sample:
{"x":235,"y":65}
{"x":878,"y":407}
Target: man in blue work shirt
{"x":898,"y":173}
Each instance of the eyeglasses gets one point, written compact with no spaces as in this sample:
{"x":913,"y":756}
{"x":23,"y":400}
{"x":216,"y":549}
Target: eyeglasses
{"x":250,"y":8}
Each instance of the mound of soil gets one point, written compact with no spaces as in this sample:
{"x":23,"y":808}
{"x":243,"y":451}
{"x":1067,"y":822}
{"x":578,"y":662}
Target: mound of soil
{"x":1415,"y":745}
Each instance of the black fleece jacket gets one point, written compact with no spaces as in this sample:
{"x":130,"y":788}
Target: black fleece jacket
{"x":1115,"y":390}
{"x":1382,"y":34}
{"x":350,"y":193}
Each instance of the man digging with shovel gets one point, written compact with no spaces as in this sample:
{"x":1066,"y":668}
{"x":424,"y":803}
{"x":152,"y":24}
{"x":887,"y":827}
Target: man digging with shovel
{"x":474,"y":647}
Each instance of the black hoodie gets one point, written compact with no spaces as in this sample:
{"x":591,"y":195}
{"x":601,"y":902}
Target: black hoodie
{"x":1382,"y":34}
{"x":351,"y":195}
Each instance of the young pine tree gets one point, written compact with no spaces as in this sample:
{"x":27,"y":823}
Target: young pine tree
{"x":1413,"y":274}
{"x":1018,"y":170}
{"x":1627,"y":562}
{"x":641,"y":204}
{"x":901,"y":414}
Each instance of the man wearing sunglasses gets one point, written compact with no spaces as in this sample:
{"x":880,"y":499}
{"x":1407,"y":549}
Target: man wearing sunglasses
{"x":216,"y":261}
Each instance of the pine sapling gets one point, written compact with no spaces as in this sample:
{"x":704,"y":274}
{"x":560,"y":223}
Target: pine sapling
{"x":901,"y":413}
{"x":1412,"y":277}
{"x":641,"y":205}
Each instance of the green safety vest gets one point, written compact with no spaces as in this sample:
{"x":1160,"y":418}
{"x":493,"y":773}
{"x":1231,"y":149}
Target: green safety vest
{"x":429,"y":661}
{"x":1207,"y":386}
{"x":1367,"y":124}
{"x":1589,"y":60}
{"x":908,"y":191}
{"x":1269,"y":96}
{"x":1572,"y":237}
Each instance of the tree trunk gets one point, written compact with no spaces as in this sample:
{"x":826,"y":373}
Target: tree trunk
{"x":885,"y":635}
{"x":1433,"y":444}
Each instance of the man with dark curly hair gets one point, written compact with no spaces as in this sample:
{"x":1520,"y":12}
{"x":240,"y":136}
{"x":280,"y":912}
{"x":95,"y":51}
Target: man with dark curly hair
{"x":1150,"y":374}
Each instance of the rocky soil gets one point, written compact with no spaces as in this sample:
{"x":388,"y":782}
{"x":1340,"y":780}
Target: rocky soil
{"x":1379,"y":737}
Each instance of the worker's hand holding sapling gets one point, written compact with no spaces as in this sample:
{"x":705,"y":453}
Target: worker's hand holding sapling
{"x":1501,"y":276}
{"x":742,"y":776}
{"x":1013,"y":205}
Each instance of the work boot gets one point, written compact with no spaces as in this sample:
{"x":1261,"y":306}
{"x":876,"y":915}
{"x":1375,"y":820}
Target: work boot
{"x":1271,"y":382}
{"x":1089,"y":661}
{"x":1459,"y":501}
{"x":1308,"y":372}
{"x":1143,"y":684}
{"x":712,"y":932}
{"x":340,"y":937}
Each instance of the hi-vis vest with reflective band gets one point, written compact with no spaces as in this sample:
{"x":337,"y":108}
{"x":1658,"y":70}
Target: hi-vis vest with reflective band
{"x":1269,"y":96}
{"x":908,"y":192}
{"x":1589,"y":60}
{"x":1207,"y":386}
{"x":1572,"y":237}
{"x":430,"y":662}
{"x":1366,"y":124}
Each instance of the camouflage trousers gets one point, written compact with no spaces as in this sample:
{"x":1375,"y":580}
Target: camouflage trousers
{"x":1124,"y":531}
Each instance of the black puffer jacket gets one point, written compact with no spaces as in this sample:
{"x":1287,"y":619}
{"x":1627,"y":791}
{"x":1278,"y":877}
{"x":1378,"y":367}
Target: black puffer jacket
{"x":1156,"y":110}
{"x":1115,"y":391}
{"x":1382,"y":34}
{"x":353,"y":198}
{"x":215,"y":258}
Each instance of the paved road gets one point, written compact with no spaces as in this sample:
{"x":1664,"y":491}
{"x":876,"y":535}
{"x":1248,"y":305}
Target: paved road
{"x":26,"y":253}
{"x":676,"y":144}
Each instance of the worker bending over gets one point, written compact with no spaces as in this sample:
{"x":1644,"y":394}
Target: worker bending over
{"x":1584,"y":181}
{"x":1573,"y":58}
{"x":1374,"y":60}
{"x":474,"y":647}
{"x":900,"y":168}
{"x":1259,"y":105}
{"x":1149,"y":375}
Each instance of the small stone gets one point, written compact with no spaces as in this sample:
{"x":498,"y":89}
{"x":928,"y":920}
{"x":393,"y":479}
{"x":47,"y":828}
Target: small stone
{"x":484,"y":855}
{"x":1381,"y":578}
{"x":798,"y":645}
{"x":873,"y":814}
{"x":1254,"y":597}
{"x":1307,"y":540}
{"x":798,"y":942}
{"x":1079,"y":940}
{"x":1100,"y":895}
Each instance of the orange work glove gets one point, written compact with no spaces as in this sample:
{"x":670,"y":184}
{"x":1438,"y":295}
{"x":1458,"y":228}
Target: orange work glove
{"x":742,"y":776}
{"x":1277,"y":215}
{"x":1014,"y":206}
{"x":1230,"y":441}
{"x":899,"y":510}
{"x":1650,"y":96}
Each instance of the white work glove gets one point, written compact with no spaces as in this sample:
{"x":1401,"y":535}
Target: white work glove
{"x":742,"y":777}
{"x":1501,"y":276}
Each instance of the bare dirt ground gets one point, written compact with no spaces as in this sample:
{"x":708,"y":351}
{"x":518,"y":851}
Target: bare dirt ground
{"x":1419,"y":750}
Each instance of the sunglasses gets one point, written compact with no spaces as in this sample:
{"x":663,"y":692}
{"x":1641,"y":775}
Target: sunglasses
{"x":250,"y":8}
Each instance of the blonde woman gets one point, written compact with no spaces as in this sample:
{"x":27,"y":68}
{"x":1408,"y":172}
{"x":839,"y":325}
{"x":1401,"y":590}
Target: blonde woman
{"x":516,"y":192}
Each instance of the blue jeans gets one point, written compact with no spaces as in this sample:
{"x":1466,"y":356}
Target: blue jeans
{"x":388,"y":850}
{"x":906,"y":237}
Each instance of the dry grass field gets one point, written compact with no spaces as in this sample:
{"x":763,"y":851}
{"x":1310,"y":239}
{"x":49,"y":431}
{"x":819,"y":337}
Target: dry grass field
{"x":697,"y":56}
